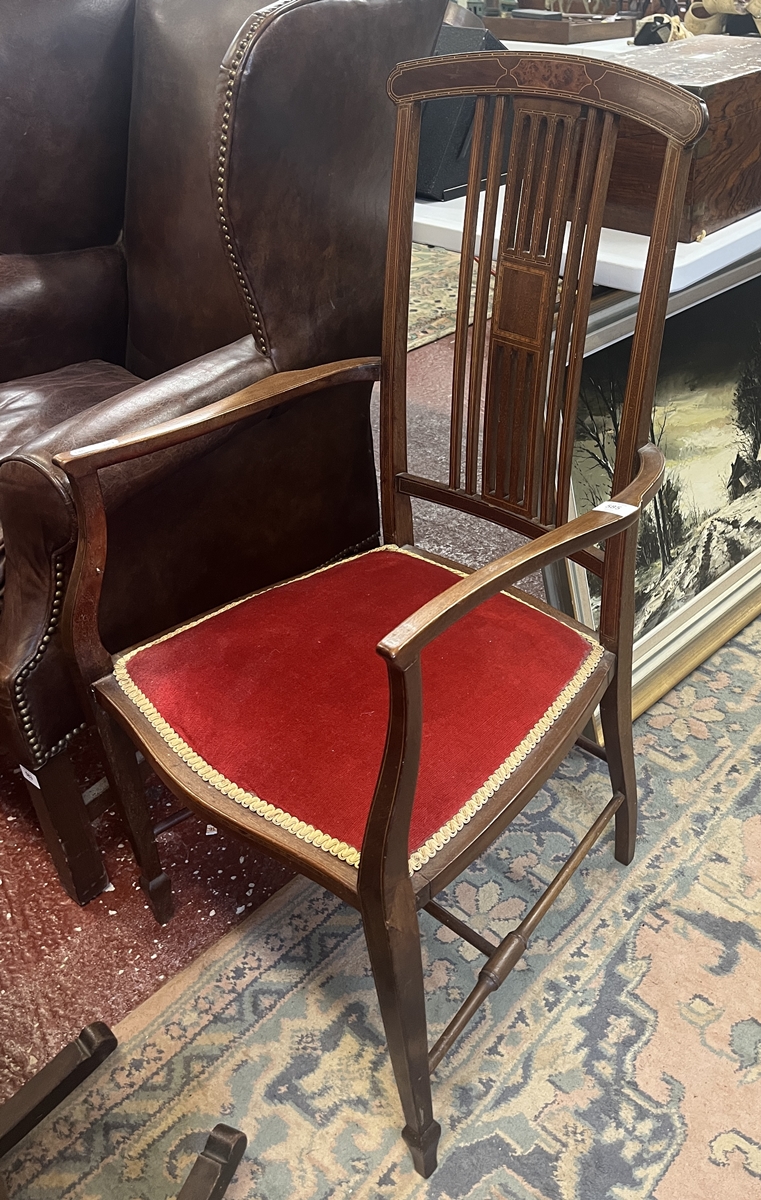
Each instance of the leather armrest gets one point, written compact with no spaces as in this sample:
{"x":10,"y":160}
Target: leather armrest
{"x":174,"y":394}
{"x":189,"y":527}
{"x":39,"y":527}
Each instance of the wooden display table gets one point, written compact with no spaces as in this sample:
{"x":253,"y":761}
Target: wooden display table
{"x":566,"y":32}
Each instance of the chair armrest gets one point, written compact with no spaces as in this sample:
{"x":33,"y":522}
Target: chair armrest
{"x":402,"y":645}
{"x":257,"y":398}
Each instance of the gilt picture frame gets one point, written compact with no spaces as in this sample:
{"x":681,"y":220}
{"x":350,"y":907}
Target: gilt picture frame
{"x":699,"y":571}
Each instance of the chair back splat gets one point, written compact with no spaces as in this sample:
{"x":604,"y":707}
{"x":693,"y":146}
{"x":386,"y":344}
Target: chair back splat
{"x":511,"y":442}
{"x":274,"y":716}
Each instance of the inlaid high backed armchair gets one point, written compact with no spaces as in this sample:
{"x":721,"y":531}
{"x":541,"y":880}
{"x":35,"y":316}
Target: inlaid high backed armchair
{"x":378,"y":723}
{"x":263,"y":256}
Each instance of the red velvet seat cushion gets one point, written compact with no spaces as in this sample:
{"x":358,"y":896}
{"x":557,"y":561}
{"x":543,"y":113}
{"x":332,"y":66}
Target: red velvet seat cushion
{"x":281,"y":701}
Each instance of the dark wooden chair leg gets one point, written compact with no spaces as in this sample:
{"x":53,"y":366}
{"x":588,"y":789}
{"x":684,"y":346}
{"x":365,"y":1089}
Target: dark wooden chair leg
{"x":53,"y":1083}
{"x":394,"y":949}
{"x":215,"y":1166}
{"x":67,"y":829}
{"x":127,"y":787}
{"x":616,"y":716}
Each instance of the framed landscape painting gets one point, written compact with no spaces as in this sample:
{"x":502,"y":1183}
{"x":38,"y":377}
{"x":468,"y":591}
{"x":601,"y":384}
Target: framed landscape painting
{"x":699,"y":558}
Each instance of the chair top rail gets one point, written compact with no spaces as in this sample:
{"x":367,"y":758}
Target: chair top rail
{"x":664,"y":107}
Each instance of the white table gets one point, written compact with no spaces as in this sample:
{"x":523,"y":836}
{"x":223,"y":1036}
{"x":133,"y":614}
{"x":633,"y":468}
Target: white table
{"x":621,"y":257}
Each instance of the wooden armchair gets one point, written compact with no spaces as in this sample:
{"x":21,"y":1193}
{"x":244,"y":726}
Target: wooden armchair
{"x":270,"y":714}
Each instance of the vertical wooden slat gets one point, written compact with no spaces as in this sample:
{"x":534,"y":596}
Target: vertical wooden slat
{"x":508,"y":457}
{"x":651,"y":316}
{"x":581,"y":314}
{"x":515,"y":175}
{"x":523,"y":212}
{"x":501,"y":369}
{"x":467,"y":252}
{"x":587,"y":161}
{"x":561,"y":150}
{"x":396,"y":510}
{"x":480,"y":316}
{"x":538,"y":203}
{"x":513,"y":486}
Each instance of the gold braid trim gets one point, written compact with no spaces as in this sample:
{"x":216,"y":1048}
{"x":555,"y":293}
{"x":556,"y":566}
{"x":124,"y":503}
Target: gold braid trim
{"x":308,"y":833}
{"x":438,"y":840}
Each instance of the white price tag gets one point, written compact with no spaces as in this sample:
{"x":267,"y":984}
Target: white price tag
{"x":29,"y":776}
{"x":616,"y":508}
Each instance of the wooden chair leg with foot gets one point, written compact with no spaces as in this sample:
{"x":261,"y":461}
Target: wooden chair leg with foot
{"x":213,"y":1170}
{"x":394,"y":950}
{"x":41,"y":1094}
{"x":389,"y":916}
{"x":66,"y":827}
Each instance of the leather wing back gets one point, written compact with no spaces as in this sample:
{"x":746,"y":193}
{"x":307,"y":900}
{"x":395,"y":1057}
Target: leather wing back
{"x":183,"y":298}
{"x":66,"y":78}
{"x":300,"y":131}
{"x":65,"y":70}
{"x":303,"y":150}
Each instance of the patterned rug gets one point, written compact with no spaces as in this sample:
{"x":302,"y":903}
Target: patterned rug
{"x":433,"y":295}
{"x":623,"y":1058}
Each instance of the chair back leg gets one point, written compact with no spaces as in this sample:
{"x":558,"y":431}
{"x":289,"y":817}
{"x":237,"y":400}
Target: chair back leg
{"x":616,"y":717}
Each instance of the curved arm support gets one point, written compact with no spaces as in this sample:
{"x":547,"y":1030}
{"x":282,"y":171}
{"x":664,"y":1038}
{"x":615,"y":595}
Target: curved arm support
{"x":383,"y":861}
{"x":403,"y":644}
{"x":258,"y":397}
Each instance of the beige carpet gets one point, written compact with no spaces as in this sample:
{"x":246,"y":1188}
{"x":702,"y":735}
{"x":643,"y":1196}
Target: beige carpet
{"x":622,"y":1061}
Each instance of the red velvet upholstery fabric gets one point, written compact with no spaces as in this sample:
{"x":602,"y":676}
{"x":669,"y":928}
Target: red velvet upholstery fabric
{"x":284,"y":695}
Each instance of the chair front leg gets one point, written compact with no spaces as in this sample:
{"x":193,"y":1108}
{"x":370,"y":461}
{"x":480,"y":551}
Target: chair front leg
{"x":616,"y":717}
{"x":393,"y":943}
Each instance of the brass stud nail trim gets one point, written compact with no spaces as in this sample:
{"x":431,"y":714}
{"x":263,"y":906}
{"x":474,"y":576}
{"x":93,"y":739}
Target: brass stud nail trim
{"x":39,"y":754}
{"x":243,"y":47}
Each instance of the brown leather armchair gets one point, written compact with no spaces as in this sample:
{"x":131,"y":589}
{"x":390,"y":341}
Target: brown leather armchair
{"x":137,"y":284}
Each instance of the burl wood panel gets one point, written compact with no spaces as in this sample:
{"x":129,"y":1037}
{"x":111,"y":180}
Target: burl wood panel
{"x":725,"y":176}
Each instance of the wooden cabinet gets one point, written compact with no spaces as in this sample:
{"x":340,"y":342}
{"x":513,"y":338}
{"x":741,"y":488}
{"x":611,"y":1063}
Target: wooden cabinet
{"x":725,"y":177}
